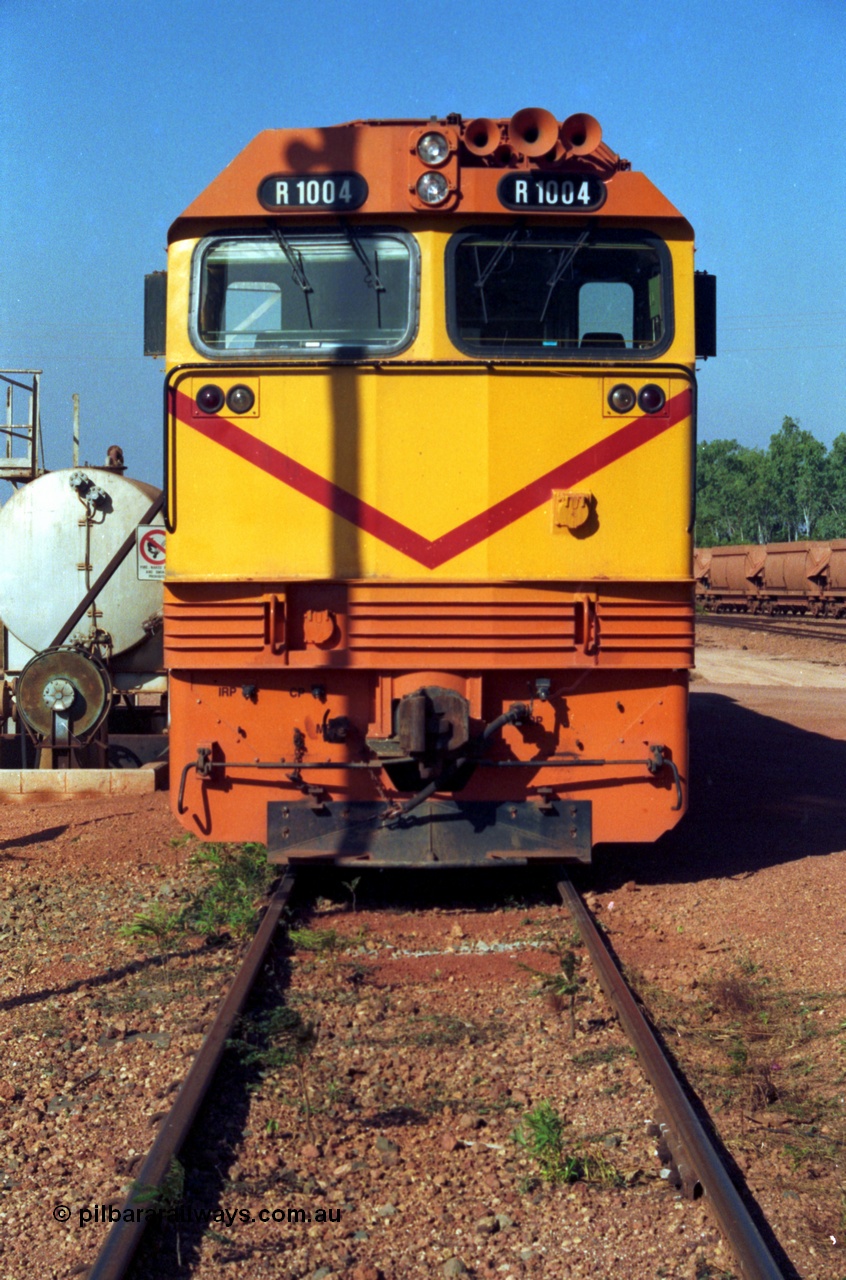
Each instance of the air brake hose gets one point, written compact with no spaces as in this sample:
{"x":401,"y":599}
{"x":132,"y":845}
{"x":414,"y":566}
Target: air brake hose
{"x":515,"y":714}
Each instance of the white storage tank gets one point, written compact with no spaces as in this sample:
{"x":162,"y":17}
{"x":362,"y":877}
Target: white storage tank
{"x":57,"y":535}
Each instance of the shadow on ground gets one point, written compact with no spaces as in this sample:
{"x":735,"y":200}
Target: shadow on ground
{"x":762,"y":792}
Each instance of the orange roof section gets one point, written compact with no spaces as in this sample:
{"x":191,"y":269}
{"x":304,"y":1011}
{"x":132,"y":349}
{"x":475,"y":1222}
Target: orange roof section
{"x":557,"y":159}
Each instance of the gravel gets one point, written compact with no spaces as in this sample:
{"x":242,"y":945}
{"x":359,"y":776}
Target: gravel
{"x":431,"y":1026}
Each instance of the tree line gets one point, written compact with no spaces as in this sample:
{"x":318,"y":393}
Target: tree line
{"x":794,"y":489}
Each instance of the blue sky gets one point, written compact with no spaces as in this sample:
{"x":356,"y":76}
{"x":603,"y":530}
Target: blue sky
{"x":116,"y":114}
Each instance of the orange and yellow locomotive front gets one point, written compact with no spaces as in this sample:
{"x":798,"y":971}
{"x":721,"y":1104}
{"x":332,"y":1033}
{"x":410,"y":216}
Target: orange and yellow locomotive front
{"x":430,"y":406}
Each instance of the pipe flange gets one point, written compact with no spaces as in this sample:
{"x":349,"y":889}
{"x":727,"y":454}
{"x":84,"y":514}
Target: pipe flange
{"x":58,"y":694}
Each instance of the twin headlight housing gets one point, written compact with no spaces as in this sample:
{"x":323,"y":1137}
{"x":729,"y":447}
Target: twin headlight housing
{"x":433,"y":149}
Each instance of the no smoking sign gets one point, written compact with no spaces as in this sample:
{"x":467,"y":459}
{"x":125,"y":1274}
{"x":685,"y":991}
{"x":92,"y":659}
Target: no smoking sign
{"x":150,"y":549}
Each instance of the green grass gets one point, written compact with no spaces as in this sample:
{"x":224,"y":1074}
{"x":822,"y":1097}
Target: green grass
{"x":234,"y":879}
{"x":562,"y":987}
{"x":167,"y":1197}
{"x":158,"y":924}
{"x":230,"y":882}
{"x":541,"y":1134}
{"x":273,"y":1040}
{"x":319,"y":941}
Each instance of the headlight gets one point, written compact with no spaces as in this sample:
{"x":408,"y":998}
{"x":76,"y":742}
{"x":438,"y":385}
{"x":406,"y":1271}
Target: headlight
{"x":433,"y":148}
{"x":210,"y":398}
{"x":432,"y":188}
{"x":240,"y":399}
{"x":651,"y":398}
{"x":622,"y":398}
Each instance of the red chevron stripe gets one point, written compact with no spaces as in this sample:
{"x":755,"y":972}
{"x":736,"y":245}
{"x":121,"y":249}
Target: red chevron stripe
{"x":426,"y":552}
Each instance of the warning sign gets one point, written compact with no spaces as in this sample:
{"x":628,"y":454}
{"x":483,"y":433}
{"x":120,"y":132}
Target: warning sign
{"x":150,"y":545}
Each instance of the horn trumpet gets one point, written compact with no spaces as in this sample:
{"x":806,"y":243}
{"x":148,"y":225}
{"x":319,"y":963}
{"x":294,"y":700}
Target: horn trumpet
{"x":581,"y":134}
{"x":482,"y":136}
{"x":533,"y":131}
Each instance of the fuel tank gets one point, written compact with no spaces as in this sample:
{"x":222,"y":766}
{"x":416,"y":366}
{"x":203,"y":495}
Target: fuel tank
{"x":57,"y":534}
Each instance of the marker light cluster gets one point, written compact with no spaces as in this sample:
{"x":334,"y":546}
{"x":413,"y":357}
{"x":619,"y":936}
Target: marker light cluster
{"x":238,"y":399}
{"x":623,"y":398}
{"x":433,"y":149}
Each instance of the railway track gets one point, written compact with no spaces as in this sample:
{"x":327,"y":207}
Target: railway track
{"x":786,"y":625}
{"x":115,"y":1257}
{"x":692,"y":1163}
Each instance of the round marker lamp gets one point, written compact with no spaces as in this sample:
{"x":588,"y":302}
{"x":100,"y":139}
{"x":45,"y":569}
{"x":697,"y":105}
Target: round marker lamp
{"x":622,"y":398}
{"x":433,"y":148}
{"x":210,"y":398}
{"x":240,"y":399}
{"x":432,"y":188}
{"x":651,"y":398}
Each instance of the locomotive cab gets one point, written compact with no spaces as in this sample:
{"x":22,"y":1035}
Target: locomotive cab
{"x":429,"y":436}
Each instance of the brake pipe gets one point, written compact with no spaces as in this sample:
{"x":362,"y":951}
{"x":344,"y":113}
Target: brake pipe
{"x":654,"y":762}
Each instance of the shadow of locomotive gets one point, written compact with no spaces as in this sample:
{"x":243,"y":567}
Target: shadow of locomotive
{"x":762,"y":792}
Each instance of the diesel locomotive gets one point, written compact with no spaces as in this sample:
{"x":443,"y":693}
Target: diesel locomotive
{"x":430,"y":419}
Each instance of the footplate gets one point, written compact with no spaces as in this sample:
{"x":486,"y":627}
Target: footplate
{"x":438,"y":833}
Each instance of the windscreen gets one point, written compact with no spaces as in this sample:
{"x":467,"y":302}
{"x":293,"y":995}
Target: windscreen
{"x":558,"y":293}
{"x":324,"y":293}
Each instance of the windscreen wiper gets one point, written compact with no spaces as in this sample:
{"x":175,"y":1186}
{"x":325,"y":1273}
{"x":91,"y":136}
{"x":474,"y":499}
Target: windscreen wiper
{"x":297,"y":271}
{"x":371,"y":273}
{"x":482,"y":276}
{"x":565,"y":260}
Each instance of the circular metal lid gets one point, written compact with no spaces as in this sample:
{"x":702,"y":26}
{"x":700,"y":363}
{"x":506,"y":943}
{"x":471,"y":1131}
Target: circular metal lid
{"x":63,"y":682}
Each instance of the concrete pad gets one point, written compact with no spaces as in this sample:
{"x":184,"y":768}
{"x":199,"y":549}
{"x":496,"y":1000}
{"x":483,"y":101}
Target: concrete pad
{"x":53,"y":781}
{"x":160,"y":771}
{"x":737,"y":666}
{"x":87,"y":781}
{"x":75,"y":784}
{"x":129,"y":782}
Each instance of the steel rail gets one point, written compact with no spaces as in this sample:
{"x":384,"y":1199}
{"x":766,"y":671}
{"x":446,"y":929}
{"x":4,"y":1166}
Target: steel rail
{"x":115,"y":1256}
{"x":696,"y":1159}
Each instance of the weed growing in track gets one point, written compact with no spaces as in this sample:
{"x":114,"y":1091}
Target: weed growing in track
{"x":351,"y":886}
{"x":327,"y":944}
{"x":275,"y":1039}
{"x":167,"y":1197}
{"x":564,"y":985}
{"x":232,"y":881}
{"x":321,"y":941}
{"x":541,"y":1134}
{"x":157,"y":924}
{"x":770,"y":1064}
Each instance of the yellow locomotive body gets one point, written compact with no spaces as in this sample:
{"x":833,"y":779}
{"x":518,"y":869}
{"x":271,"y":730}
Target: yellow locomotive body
{"x":429,"y":471}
